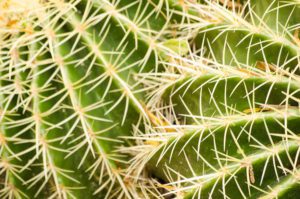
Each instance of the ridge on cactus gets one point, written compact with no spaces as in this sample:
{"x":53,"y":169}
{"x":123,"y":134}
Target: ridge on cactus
{"x":112,"y":99}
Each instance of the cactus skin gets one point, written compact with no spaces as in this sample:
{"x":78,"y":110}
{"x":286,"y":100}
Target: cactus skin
{"x":69,"y":94}
{"x":231,"y":112}
{"x":107,"y":99}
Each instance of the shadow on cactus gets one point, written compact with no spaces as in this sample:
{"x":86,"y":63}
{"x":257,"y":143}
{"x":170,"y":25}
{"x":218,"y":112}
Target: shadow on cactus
{"x":149,"y":99}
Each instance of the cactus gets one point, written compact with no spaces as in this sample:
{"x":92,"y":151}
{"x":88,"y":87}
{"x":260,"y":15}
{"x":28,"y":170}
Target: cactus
{"x":149,"y":99}
{"x":229,"y":115}
{"x":69,"y":94}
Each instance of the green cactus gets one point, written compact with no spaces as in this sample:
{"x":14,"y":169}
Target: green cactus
{"x":233,"y":110}
{"x":149,"y":99}
{"x":68,"y":79}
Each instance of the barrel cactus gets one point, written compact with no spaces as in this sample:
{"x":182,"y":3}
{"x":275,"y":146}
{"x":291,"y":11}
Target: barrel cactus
{"x":149,"y":99}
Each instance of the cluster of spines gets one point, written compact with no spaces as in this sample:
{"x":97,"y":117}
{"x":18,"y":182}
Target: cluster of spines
{"x":238,"y":82}
{"x":67,"y":80}
{"x":66,"y":43}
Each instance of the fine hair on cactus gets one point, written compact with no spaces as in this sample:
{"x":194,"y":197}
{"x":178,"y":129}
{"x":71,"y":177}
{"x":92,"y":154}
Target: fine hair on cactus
{"x":149,"y":99}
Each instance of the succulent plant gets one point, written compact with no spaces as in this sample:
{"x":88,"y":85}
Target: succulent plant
{"x":149,"y":99}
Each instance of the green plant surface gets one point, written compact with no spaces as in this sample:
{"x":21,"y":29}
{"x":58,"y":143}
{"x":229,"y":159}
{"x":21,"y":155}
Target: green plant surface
{"x":213,"y":95}
{"x":248,"y":158}
{"x":229,"y":115}
{"x":79,"y":95}
{"x":149,"y":99}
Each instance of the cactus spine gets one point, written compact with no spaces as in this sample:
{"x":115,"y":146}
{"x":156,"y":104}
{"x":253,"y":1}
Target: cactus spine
{"x":149,"y":99}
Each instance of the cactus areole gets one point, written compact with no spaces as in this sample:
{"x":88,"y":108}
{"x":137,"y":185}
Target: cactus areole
{"x":149,"y":99}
